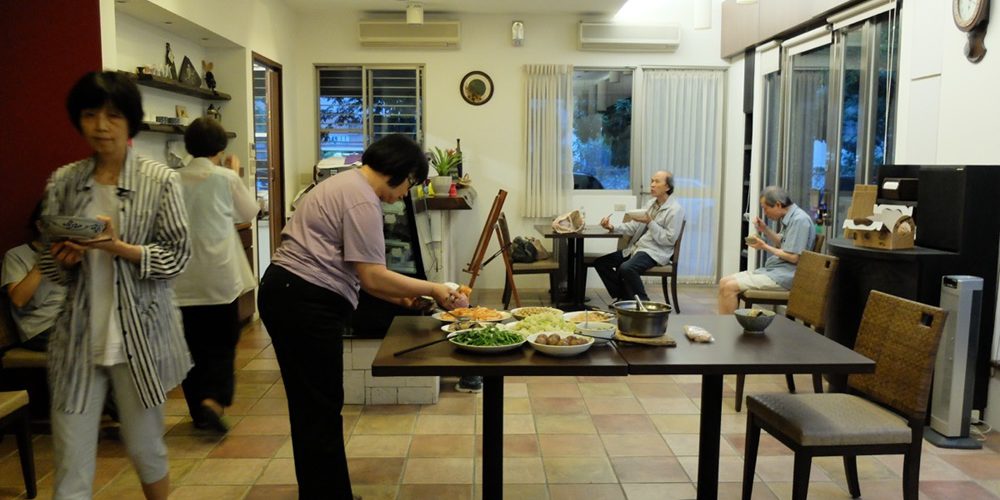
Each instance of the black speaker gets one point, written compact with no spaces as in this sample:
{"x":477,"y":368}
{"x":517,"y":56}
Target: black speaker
{"x":941,"y":207}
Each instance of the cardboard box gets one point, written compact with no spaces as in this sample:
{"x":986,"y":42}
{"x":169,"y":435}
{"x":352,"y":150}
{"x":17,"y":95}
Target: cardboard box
{"x":862,"y":205}
{"x":890,"y":227}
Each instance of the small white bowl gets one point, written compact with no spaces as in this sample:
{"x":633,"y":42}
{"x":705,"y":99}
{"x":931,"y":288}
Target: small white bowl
{"x":604,"y":331}
{"x":560,"y":350}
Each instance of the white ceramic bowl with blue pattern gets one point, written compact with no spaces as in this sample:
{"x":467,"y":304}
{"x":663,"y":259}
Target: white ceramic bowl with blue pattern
{"x":60,"y":227}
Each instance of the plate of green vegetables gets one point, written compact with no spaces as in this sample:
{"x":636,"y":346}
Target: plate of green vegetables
{"x":487,"y":340}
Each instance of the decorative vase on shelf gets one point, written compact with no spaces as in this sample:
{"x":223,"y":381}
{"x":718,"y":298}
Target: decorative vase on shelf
{"x":441,"y":185}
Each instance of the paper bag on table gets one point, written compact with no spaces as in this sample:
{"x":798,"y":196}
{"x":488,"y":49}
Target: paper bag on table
{"x":571,"y":222}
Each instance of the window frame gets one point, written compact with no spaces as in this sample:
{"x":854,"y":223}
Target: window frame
{"x":367,"y":99}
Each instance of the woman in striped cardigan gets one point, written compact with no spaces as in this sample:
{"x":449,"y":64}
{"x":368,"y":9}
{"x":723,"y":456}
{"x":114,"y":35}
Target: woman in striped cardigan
{"x":121,"y":328}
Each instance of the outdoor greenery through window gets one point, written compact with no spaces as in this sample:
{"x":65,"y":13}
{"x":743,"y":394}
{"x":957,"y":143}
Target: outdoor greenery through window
{"x":602,"y":128}
{"x":359,"y":105}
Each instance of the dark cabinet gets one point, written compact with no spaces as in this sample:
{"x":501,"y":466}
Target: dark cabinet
{"x":246,"y":304}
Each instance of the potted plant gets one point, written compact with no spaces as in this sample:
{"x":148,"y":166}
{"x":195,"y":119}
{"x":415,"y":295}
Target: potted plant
{"x":444,"y":163}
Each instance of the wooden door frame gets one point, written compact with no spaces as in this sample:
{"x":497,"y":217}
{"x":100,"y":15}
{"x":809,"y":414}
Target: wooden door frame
{"x":275,"y":149}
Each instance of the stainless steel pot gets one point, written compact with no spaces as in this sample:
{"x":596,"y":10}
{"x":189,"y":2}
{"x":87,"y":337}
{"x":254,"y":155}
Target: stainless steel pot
{"x":638,"y":323}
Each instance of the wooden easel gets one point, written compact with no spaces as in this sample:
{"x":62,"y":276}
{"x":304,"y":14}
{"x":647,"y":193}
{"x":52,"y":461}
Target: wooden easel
{"x":476,"y":264}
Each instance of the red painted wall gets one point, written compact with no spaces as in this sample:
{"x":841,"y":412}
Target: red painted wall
{"x":44,"y":48}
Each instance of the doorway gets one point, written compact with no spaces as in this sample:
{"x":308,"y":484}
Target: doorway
{"x":269,"y":168}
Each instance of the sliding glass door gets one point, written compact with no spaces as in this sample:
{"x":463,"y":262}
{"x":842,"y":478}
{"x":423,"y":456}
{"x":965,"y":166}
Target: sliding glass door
{"x":806,"y":144}
{"x":837,"y":115}
{"x":865,"y":65}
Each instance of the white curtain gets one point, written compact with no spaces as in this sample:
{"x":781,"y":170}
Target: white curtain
{"x":677,"y":125}
{"x":548,"y":139}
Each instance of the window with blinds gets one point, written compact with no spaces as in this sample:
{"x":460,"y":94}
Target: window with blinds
{"x":359,"y":105}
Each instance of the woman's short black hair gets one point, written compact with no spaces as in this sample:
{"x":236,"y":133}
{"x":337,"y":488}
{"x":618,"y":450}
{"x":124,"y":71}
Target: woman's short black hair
{"x":205,"y":137}
{"x":97,"y":88}
{"x":399,"y":157}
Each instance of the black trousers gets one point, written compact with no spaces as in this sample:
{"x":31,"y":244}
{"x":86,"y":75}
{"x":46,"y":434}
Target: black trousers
{"x":623,"y":276}
{"x":212,"y":333}
{"x":306,"y":324}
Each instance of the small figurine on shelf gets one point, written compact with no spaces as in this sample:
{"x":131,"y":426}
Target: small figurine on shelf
{"x":214,"y":112}
{"x":453,"y":191}
{"x":189,"y":75}
{"x":209,"y":77}
{"x":168,"y":59}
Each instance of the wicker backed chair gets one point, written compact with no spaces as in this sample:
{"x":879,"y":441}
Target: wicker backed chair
{"x":776,"y":297}
{"x":806,"y":303}
{"x":548,"y":266}
{"x":882,"y":414}
{"x":667,"y":273}
{"x":14,"y":417}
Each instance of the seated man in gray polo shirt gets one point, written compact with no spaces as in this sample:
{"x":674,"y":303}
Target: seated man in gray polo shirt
{"x":796,"y":236}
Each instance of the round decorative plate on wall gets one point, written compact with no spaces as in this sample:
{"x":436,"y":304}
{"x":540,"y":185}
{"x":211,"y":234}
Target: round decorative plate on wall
{"x":476,"y":88}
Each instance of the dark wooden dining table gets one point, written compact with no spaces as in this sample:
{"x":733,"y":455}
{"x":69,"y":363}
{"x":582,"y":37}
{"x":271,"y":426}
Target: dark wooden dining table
{"x":443,"y":359}
{"x":785,"y":347}
{"x":576,"y":276}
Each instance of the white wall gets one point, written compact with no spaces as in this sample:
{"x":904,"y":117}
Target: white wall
{"x":492,"y":134}
{"x":948,"y":108}
{"x":266,"y":27}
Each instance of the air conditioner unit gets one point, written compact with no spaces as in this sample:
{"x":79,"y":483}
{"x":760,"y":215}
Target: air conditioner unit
{"x":430,"y":34}
{"x":622,"y":37}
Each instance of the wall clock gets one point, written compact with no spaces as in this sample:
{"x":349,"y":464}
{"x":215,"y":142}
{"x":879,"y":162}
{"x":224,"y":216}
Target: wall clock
{"x":476,"y":88}
{"x":972,"y":17}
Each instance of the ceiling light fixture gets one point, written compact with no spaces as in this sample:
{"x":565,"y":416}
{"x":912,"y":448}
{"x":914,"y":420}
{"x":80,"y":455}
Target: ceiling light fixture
{"x":745,"y":2}
{"x":414,"y":13}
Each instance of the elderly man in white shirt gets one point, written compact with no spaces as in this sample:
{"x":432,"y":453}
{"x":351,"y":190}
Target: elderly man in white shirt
{"x":218,"y":274}
{"x":653,"y":237}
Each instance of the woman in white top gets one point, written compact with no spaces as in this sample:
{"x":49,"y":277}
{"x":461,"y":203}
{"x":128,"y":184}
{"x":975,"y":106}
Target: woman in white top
{"x":216,"y":200}
{"x":120,"y":329}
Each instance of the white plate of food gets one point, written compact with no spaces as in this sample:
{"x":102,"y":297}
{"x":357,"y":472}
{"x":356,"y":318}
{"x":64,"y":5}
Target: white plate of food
{"x":487,"y":340}
{"x":582,"y":316}
{"x":463,"y":325}
{"x":524,"y":312}
{"x":546,"y":322}
{"x":559,"y":343}
{"x":472,"y":314}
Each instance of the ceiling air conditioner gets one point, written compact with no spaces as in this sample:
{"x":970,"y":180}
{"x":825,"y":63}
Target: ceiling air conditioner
{"x":629,"y":37}
{"x":430,"y":34}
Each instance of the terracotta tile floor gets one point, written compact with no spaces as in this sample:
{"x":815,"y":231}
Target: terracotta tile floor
{"x":566,"y":438}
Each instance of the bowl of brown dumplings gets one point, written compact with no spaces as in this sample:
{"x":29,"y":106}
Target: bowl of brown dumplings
{"x":560,"y":344}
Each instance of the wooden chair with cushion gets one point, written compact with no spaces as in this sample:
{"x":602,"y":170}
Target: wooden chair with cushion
{"x":882,"y":414}
{"x":667,"y":273}
{"x":14,"y":417}
{"x":806,"y":303}
{"x":776,"y":297}
{"x":548,"y":266}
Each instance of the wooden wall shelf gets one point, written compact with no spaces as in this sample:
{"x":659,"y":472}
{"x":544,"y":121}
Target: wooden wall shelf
{"x":158,"y":82}
{"x":163,"y":128}
{"x":464,"y":200}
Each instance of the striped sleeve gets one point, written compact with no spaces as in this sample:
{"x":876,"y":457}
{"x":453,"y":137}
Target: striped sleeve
{"x":170,"y":250}
{"x":54,"y":192}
